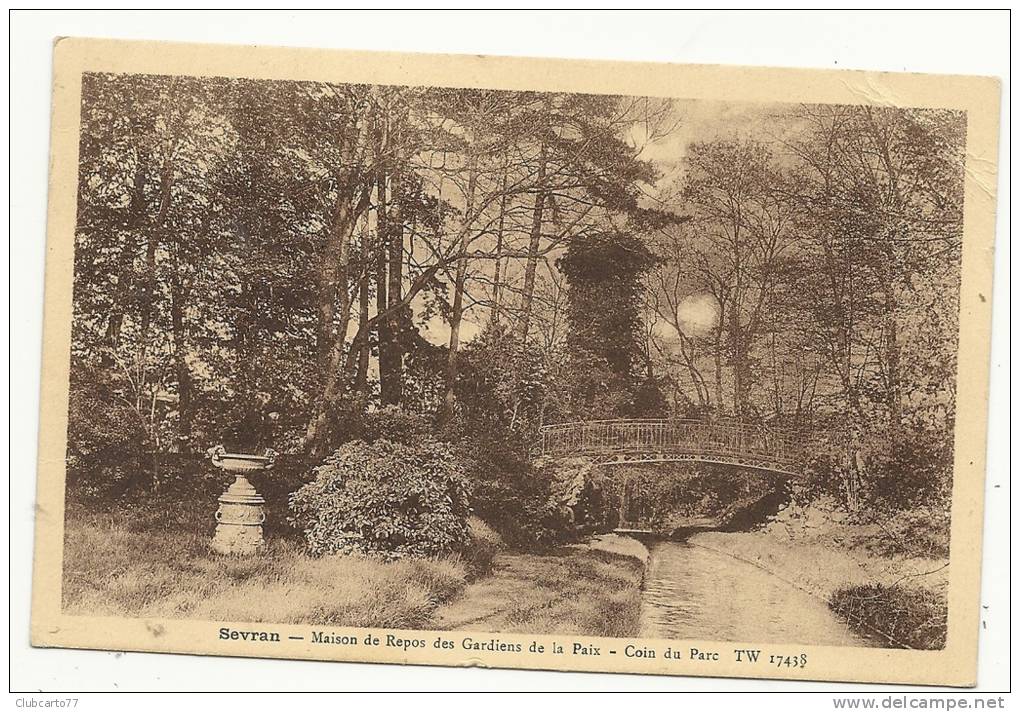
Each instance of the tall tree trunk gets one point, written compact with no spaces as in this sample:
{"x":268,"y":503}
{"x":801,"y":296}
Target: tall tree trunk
{"x":888,"y":272}
{"x":125,"y":263}
{"x":384,"y":336}
{"x":689,"y":354}
{"x":777,"y":376}
{"x":354,"y":195}
{"x":892,"y":357}
{"x":364,"y":350}
{"x":345,"y":362}
{"x":496,"y":277}
{"x":156,"y":231}
{"x":395,"y":247}
{"x":325,"y":306}
{"x":737,"y":336}
{"x":717,"y":356}
{"x":178,"y":297}
{"x":737,"y":377}
{"x":890,"y":334}
{"x":457,"y":312}
{"x":334,"y":271}
{"x":149,"y":288}
{"x":717,"y":353}
{"x":534,"y":245}
{"x":741,"y":377}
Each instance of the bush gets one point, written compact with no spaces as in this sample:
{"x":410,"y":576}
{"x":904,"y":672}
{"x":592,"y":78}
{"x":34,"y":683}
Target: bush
{"x":386,"y":498}
{"x":515,"y":497}
{"x":914,"y":618}
{"x":916,"y":471}
{"x":106,"y":442}
{"x":391,"y":423}
{"x":500,"y":385}
{"x":483,"y":545}
{"x":352,"y":421}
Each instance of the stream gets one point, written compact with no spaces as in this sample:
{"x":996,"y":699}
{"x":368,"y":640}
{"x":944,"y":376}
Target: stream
{"x":694,"y":593}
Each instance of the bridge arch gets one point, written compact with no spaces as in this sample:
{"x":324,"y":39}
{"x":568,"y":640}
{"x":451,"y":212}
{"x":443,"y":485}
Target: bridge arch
{"x":610,"y":443}
{"x":631,"y":441}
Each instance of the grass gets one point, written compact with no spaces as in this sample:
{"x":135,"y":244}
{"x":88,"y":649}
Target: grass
{"x":117,"y":563}
{"x":572,"y":590}
{"x":154,"y":562}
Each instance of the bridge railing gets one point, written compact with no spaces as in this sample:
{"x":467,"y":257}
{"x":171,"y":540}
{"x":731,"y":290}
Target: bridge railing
{"x":689,"y":437}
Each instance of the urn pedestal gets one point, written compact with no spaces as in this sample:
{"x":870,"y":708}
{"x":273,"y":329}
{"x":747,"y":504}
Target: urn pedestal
{"x":240,"y":515}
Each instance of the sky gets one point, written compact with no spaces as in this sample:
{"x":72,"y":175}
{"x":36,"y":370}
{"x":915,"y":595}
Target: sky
{"x":706,"y":121}
{"x":695,"y":121}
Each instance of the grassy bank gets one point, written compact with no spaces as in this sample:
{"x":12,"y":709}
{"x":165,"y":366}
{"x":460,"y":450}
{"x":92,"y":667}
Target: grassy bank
{"x":581,"y":590}
{"x":124,"y":562}
{"x":890,"y":593}
{"x":118,"y":564}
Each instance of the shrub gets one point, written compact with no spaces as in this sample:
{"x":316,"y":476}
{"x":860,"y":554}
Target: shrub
{"x":392,"y":423}
{"x":483,"y":544}
{"x":515,"y":497}
{"x":105,"y":439}
{"x":386,"y":498}
{"x":500,"y":385}
{"x":825,"y":476}
{"x":914,"y":618}
{"x":351,"y":420}
{"x":916,"y":470}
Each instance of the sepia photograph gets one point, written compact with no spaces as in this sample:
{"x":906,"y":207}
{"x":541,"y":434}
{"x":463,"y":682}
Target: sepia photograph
{"x":657,"y":379}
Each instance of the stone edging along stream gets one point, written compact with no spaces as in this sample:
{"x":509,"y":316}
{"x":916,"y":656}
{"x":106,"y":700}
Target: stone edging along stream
{"x":619,"y":545}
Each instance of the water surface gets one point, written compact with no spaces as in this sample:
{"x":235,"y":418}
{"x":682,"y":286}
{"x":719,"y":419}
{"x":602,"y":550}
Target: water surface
{"x":691,"y":592}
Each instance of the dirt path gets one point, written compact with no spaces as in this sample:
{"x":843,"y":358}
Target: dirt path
{"x":575,"y":590}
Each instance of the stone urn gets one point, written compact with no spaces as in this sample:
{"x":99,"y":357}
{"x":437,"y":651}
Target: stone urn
{"x":240,"y":515}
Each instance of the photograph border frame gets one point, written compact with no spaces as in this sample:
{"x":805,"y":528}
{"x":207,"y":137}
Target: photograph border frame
{"x":978,"y":96}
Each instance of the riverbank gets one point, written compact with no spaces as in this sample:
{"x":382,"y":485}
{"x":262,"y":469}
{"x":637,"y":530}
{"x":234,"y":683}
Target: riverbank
{"x":893,"y":596}
{"x":590,"y":589}
{"x":118,"y":564}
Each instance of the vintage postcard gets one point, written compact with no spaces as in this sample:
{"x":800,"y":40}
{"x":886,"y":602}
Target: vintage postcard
{"x":523,"y":363}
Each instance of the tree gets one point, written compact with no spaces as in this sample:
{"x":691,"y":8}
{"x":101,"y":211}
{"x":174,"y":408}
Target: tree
{"x":886,"y":185}
{"x":143,"y":221}
{"x":746,"y":223}
{"x":669,"y":291}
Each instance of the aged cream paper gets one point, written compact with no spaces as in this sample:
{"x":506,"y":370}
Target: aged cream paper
{"x":955,"y":664}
